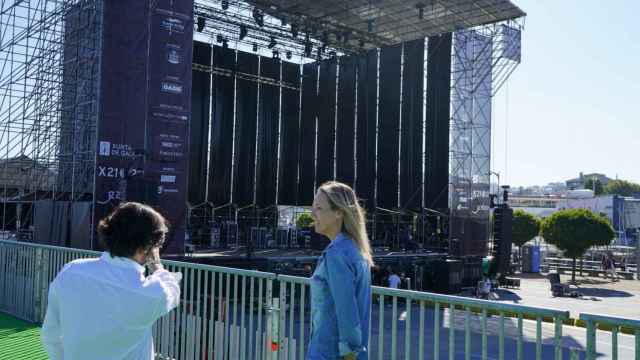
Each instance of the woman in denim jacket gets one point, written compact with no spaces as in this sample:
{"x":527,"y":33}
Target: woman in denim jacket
{"x":341,"y":283}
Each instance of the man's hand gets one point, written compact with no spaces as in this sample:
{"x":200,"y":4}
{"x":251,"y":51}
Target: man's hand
{"x":351,"y":356}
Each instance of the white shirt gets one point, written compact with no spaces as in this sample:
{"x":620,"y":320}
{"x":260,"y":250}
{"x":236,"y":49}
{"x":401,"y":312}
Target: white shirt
{"x":103,"y":309}
{"x":394,"y":281}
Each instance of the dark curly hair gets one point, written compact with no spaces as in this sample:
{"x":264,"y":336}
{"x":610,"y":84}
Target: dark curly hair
{"x":130,"y":227}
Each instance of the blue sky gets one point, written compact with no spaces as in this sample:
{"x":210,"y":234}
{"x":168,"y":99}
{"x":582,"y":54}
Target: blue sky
{"x":573,"y":103}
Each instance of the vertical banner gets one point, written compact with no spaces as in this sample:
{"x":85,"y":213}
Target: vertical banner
{"x":145,"y":107}
{"x":169,"y":110}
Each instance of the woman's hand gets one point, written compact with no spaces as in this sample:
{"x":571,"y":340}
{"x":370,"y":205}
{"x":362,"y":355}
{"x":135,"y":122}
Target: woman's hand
{"x":153,"y":260}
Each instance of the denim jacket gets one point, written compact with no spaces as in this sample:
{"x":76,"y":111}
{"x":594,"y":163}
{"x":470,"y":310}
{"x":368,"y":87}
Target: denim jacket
{"x":340,"y":302}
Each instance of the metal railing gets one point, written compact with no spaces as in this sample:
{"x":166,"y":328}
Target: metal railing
{"x":242,"y":314}
{"x":614,"y":325}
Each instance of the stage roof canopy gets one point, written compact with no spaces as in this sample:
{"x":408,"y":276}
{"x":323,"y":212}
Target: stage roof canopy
{"x":389,"y":22}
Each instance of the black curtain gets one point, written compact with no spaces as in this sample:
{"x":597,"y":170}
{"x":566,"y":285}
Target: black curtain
{"x":326,"y":121}
{"x":199,"y":125}
{"x":222,"y":128}
{"x":268,"y":115}
{"x":437,"y":122}
{"x":245,"y":141}
{"x":308,"y":133}
{"x":345,"y":167}
{"x":411,"y":151}
{"x":366,"y":128}
{"x":388,"y":126}
{"x":289,"y":137}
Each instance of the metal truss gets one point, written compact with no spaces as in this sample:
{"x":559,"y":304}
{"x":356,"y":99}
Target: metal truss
{"x":482,"y":60}
{"x":48,"y":100}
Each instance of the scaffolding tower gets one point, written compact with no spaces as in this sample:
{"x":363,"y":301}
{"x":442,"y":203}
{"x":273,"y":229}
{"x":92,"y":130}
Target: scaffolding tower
{"x":48,"y":104}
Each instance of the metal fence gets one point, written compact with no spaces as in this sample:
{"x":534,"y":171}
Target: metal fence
{"x":240,"y":314}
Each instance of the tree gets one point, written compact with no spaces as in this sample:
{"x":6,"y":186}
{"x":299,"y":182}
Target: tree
{"x":525,"y":227}
{"x":574,"y":231}
{"x":304,"y":220}
{"x":622,"y":188}
{"x":595,"y":185}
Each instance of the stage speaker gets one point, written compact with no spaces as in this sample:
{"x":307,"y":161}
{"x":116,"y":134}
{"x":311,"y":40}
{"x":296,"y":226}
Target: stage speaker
{"x":447,"y":276}
{"x":502,"y":238}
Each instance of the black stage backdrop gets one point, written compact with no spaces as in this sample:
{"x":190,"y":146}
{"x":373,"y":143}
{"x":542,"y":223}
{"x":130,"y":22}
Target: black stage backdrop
{"x":245,"y":142}
{"x":345,"y":167}
{"x":437,"y":122}
{"x":268,"y":115}
{"x":326,"y":121}
{"x":411,"y":150}
{"x":199,"y":129}
{"x":366,"y":128}
{"x":222,"y":128}
{"x":289,"y":137}
{"x":308,"y":134}
{"x":388,"y":125}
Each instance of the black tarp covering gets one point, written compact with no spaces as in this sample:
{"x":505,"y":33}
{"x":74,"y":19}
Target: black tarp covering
{"x":245,"y":141}
{"x":308,"y":134}
{"x":326,"y":121}
{"x":437,"y":122}
{"x":345,"y":167}
{"x":411,"y":151}
{"x":388,"y":125}
{"x":289,"y":137}
{"x":222,"y":129}
{"x":199,"y":125}
{"x":268,"y":116}
{"x":366,"y":128}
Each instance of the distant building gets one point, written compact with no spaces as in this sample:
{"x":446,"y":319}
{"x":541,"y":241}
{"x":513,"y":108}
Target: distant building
{"x":21,"y":175}
{"x":578,"y":183}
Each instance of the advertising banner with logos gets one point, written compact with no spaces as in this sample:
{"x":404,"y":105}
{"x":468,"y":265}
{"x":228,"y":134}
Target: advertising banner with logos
{"x":145,"y":107}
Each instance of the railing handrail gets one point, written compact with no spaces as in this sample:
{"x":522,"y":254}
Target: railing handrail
{"x":610,"y":320}
{"x":196,"y":266}
{"x":452,"y":299}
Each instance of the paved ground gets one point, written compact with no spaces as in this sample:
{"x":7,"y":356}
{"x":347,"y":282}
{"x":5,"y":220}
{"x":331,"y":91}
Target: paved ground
{"x":600,"y":296}
{"x":19,"y":340}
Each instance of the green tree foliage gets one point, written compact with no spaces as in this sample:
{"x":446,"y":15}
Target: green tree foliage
{"x":525,"y":227}
{"x":304,"y":220}
{"x":574,"y":231}
{"x":622,"y":188}
{"x":594,"y":184}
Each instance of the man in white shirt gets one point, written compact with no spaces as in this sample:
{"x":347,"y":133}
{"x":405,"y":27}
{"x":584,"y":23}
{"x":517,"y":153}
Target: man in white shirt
{"x":104,"y":308}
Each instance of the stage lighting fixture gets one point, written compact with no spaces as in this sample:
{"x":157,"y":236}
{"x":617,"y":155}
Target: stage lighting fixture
{"x":225,"y":4}
{"x":370,"y":23}
{"x":225,"y":43}
{"x":332,"y":54}
{"x":289,"y":54}
{"x":420,"y":8}
{"x":200,"y":24}
{"x":243,"y":32}
{"x":283,"y":21}
{"x":276,"y":54}
{"x":272,"y":42}
{"x":219,"y":38}
{"x":294,"y":30}
{"x":258,"y":17}
{"x":255,"y":47}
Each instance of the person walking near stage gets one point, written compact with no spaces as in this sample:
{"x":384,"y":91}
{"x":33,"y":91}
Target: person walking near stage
{"x":104,"y":308}
{"x":341,"y":283}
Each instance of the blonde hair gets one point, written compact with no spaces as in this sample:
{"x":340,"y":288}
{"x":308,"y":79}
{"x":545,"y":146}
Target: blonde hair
{"x":341,"y":197}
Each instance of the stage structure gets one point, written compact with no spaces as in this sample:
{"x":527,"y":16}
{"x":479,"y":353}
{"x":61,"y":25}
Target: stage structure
{"x":100,"y":103}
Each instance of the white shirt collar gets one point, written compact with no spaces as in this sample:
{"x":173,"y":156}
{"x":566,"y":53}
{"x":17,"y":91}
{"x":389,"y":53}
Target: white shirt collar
{"x":121,"y":262}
